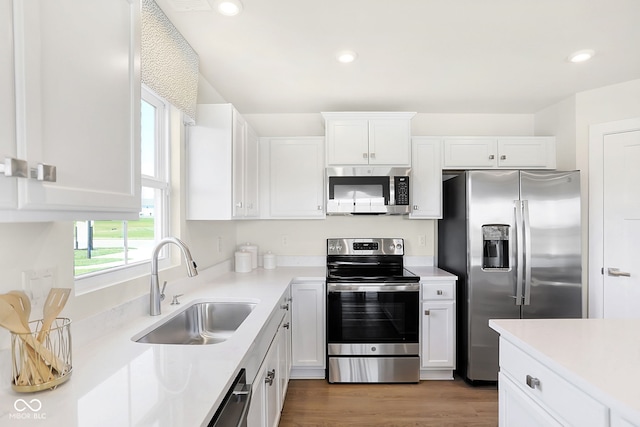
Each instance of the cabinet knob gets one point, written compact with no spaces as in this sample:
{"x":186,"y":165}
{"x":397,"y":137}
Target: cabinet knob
{"x":239,"y":205}
{"x":286,"y":325}
{"x":503,"y":157}
{"x":372,"y":155}
{"x":284,"y":306}
{"x":365,"y":155}
{"x":270,"y":376}
{"x":319,"y":207}
{"x":533,"y":382}
{"x":415,"y":207}
{"x":427,"y":312}
{"x":491,"y":157}
{"x":44,"y":172}
{"x":14,"y":167}
{"x":439,"y":292}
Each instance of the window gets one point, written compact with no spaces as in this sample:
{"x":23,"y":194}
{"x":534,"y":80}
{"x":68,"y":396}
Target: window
{"x":105,"y":247}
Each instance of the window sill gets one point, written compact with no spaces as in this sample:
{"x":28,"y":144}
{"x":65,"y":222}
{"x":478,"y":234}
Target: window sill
{"x":91,"y":283}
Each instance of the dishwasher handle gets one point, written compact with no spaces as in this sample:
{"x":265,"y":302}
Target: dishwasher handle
{"x":234,"y":408}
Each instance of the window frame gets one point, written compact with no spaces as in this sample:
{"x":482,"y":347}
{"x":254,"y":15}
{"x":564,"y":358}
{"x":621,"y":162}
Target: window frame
{"x":112,"y":276}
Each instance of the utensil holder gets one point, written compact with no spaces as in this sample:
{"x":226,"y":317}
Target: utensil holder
{"x":41,"y":359}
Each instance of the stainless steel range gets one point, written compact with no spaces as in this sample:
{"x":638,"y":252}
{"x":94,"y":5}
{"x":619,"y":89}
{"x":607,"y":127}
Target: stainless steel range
{"x":372,"y":312}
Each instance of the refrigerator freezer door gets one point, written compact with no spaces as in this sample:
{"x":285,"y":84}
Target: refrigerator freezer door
{"x":554,"y":287}
{"x":490,"y":292}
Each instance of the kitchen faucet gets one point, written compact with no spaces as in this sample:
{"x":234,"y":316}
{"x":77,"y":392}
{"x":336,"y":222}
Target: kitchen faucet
{"x":154,"y":294}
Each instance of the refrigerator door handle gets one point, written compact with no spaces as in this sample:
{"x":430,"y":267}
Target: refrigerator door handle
{"x":527,"y":253}
{"x":519,"y":251}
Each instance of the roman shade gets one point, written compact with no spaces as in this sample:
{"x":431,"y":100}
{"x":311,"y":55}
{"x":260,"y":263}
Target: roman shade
{"x":169,"y":65}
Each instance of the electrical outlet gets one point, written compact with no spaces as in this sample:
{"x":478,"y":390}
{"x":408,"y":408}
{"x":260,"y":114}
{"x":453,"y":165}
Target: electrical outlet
{"x":422,"y":240}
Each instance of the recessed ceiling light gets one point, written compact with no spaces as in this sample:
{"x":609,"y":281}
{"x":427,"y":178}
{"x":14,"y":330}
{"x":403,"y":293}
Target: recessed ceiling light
{"x":346,"y":56}
{"x":229,"y":7}
{"x":581,"y":55}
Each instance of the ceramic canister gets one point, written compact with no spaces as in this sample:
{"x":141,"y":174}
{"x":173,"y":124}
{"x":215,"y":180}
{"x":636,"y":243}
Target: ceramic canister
{"x":269,"y":260}
{"x":253,"y":250}
{"x":243,"y":262}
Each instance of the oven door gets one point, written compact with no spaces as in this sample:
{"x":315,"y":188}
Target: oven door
{"x":359,"y":315}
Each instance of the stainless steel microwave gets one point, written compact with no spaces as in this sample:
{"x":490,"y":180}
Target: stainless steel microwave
{"x":368,"y":190}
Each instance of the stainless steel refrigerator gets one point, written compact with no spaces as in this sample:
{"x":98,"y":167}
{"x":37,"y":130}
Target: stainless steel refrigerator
{"x":513,"y":238}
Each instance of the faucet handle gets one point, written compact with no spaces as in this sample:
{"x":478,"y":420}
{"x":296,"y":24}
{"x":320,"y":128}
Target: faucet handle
{"x":175,"y":300}
{"x":164,"y":286}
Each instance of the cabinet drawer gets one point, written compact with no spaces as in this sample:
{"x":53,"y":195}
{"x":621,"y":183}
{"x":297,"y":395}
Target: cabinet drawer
{"x":438,"y":291}
{"x":549,"y":389}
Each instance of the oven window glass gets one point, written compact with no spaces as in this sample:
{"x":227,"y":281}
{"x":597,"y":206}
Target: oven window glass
{"x":372,"y":317}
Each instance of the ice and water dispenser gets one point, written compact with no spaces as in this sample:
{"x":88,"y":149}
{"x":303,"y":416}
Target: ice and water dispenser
{"x":495,"y":246}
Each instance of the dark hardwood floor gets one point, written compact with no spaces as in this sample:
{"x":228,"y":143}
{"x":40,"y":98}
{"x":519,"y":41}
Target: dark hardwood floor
{"x":429,"y":403}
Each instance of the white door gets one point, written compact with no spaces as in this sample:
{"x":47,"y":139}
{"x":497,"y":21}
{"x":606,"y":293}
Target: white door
{"x":621,"y":188}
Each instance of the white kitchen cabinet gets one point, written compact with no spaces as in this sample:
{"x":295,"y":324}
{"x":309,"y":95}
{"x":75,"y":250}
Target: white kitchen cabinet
{"x":222,"y":165}
{"x":368,"y":138}
{"x":525,"y":152}
{"x":426,"y":178}
{"x":438,"y":330}
{"x":292,"y":177}
{"x":308,"y":302}
{"x":8,"y":147}
{"x":77,"y":107}
{"x":284,"y":348}
{"x":517,"y":409}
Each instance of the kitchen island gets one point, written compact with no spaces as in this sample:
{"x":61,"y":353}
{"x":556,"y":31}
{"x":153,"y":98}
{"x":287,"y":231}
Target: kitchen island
{"x":582,"y":372}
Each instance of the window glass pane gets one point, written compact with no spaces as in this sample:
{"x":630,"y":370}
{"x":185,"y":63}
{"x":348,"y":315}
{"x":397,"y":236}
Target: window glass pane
{"x":141,"y":233}
{"x":148,"y":139}
{"x":98,"y":245}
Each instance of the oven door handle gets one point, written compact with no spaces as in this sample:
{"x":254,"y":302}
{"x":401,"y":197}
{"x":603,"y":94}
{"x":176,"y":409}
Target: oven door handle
{"x":332,"y":263}
{"x":359,"y":287}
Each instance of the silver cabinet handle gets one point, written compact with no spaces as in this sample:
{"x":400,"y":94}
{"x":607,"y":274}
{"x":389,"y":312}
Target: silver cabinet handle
{"x":286,"y":325}
{"x":14,"y":167}
{"x":372,"y":155}
{"x":615,"y":272}
{"x":533,"y":382}
{"x":427,"y":312}
{"x":44,"y":172}
{"x":491,"y":157}
{"x":365,"y":156}
{"x":319,"y":207}
{"x":415,"y":207}
{"x":270,"y":376}
{"x":503,"y":157}
{"x":284,"y":306}
{"x":239,"y":205}
{"x":439,"y":292}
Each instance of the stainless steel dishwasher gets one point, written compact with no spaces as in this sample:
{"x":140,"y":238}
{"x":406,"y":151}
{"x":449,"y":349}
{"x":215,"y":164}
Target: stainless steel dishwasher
{"x":235,"y":405}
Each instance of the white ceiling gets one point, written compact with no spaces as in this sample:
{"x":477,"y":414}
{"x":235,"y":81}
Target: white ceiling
{"x":428,"y":56}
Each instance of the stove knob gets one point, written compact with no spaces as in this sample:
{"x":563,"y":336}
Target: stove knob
{"x":399,"y":246}
{"x":339,"y":248}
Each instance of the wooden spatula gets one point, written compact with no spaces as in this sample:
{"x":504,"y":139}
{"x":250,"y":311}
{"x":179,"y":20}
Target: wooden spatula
{"x":54,"y":304}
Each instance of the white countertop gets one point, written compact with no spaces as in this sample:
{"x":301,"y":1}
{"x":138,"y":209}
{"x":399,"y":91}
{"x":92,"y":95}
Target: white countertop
{"x":599,"y":356}
{"x":118,"y":382}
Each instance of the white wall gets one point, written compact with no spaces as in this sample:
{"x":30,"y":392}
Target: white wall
{"x":559,"y":120}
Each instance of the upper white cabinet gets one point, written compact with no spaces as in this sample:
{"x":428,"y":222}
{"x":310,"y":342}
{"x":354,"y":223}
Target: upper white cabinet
{"x":368,"y":138}
{"x":292,"y":177}
{"x":525,"y":152}
{"x":426,"y":178}
{"x":75,"y":105}
{"x":222,"y":165}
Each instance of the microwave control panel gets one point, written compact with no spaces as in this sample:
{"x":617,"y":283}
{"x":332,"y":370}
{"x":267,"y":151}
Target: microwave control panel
{"x":401,"y":184}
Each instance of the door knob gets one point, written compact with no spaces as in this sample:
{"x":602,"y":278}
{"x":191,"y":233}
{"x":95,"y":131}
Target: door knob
{"x":615,"y":272}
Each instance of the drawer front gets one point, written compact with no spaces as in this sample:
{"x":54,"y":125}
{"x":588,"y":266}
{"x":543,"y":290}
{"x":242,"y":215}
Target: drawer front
{"x":438,"y":291}
{"x":549,"y":389}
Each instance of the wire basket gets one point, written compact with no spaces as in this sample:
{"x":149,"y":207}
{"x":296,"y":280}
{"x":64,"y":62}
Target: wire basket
{"x":41,"y":359}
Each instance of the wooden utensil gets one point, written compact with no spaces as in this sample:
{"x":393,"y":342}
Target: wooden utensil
{"x":54,"y":304}
{"x":9,"y":319}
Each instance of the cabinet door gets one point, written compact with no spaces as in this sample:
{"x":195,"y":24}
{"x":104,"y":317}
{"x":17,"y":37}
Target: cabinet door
{"x":250,"y":176}
{"x":296,"y":177}
{"x":347,"y":142}
{"x":271,"y":383}
{"x":308,"y":324}
{"x":239,"y":138}
{"x":78,"y":98}
{"x":519,"y":410}
{"x":389,"y":142}
{"x":8,"y":185}
{"x":438,"y":329}
{"x":527,"y":152}
{"x":469,"y":153}
{"x":426,"y":178}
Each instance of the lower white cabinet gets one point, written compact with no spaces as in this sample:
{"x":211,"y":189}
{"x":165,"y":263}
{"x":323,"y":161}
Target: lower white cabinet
{"x":532,"y":394}
{"x":308,"y":350}
{"x":438,"y":330}
{"x":270,"y":384}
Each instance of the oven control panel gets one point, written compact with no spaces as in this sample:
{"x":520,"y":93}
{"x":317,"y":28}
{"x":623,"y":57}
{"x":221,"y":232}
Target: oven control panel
{"x":365,"y":246}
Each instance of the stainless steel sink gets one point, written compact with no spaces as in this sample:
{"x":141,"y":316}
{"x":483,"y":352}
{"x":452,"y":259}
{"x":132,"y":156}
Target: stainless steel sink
{"x":200,"y":323}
